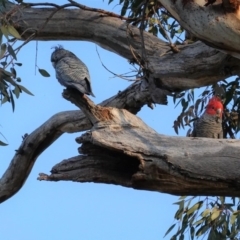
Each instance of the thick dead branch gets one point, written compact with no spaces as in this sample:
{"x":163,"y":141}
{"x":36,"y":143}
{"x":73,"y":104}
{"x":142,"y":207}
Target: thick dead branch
{"x":154,"y":162}
{"x":195,"y":65}
{"x":216,"y":25}
{"x":123,"y":150}
{"x":70,"y":121}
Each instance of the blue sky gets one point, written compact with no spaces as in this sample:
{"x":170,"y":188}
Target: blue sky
{"x":66,"y":210}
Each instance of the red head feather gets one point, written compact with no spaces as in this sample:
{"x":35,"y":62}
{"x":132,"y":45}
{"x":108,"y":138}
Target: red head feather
{"x":214,"y":106}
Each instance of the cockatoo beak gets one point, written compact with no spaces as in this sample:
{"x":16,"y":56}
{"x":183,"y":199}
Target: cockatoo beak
{"x":219,"y":111}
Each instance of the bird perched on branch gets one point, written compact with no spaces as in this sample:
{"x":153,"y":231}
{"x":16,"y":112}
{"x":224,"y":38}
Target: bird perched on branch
{"x":71,"y":72}
{"x":209,"y":125}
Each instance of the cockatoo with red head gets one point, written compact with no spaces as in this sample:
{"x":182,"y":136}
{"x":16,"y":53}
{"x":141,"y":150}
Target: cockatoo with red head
{"x":209,"y":125}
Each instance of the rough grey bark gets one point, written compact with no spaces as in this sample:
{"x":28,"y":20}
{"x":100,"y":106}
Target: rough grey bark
{"x":132,"y":99}
{"x":154,"y":162}
{"x":216,"y":24}
{"x":121,"y":149}
{"x":195,"y":65}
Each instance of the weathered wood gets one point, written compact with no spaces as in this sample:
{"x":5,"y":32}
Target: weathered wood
{"x":123,"y":150}
{"x":65,"y":122}
{"x":213,"y":24}
{"x":194,"y":66}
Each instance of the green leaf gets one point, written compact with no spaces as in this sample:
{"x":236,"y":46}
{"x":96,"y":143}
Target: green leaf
{"x":43,"y":72}
{"x":192,"y":231}
{"x":16,"y":91}
{"x":195,"y":207}
{"x":11,"y":52}
{"x":222,"y":200}
{"x":25,"y":89}
{"x":3,"y":50}
{"x":1,"y":35}
{"x":4,"y":31}
{"x":181,"y":237}
{"x":179,"y":213}
{"x":4,"y":64}
{"x":182,"y":197}
{"x":169,"y":230}
{"x":13,"y":71}
{"x":215,"y":215}
{"x":3,"y":144}
{"x":12,"y":100}
{"x":189,"y":202}
{"x":4,"y":100}
{"x":199,"y":221}
{"x":172,"y":33}
{"x":124,"y":8}
{"x":13,"y":32}
{"x":184,"y":223}
{"x":236,"y":212}
{"x":153,"y":30}
{"x":19,"y":64}
{"x":202,"y":230}
{"x":8,"y":79}
{"x":184,"y":104}
{"x":177,"y":203}
{"x":233,"y":218}
{"x":205,"y":212}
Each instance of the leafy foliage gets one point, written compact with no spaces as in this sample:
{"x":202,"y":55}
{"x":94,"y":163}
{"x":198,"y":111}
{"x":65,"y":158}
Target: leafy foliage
{"x":219,"y":220}
{"x":10,"y":89}
{"x":230,"y":94}
{"x":1,"y":142}
{"x":9,"y":86}
{"x":9,"y":81}
{"x":152,"y":17}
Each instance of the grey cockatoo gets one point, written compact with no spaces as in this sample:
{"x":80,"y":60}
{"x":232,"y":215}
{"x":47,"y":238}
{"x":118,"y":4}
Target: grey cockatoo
{"x":71,"y":71}
{"x":209,"y":125}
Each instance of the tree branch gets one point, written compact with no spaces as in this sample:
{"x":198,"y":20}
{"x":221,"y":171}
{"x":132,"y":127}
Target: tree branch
{"x":121,"y":149}
{"x":195,"y":65}
{"x":65,"y":122}
{"x":151,"y":161}
{"x":213,"y":24}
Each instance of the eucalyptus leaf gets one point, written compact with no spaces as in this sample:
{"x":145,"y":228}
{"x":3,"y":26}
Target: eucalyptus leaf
{"x":43,"y":72}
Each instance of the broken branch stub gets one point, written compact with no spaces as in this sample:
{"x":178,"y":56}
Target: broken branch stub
{"x":133,"y":155}
{"x":122,"y":149}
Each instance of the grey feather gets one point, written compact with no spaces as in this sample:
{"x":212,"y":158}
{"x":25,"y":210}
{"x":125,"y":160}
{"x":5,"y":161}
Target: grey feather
{"x":71,"y":71}
{"x":208,"y":126}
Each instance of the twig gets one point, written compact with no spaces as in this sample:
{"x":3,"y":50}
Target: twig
{"x":142,"y":27}
{"x":172,"y":46}
{"x":42,"y":4}
{"x":116,"y":75}
{"x":107,"y":13}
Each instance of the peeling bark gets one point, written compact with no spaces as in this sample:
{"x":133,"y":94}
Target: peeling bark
{"x":65,"y":122}
{"x":212,"y":24}
{"x":121,"y":149}
{"x":194,"y":66}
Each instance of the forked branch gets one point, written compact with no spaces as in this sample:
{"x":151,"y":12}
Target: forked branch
{"x":121,"y":149}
